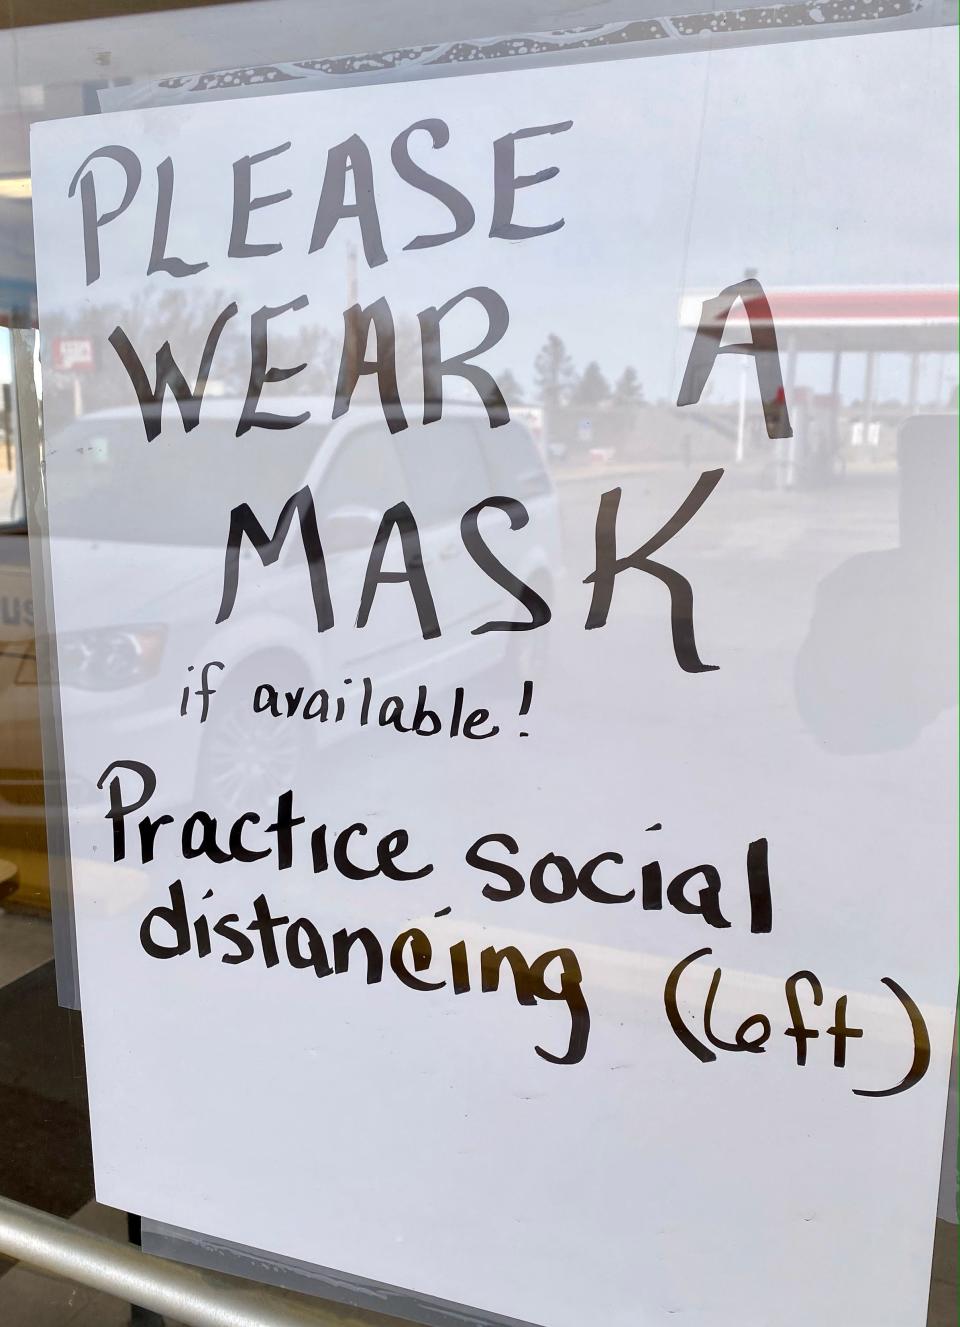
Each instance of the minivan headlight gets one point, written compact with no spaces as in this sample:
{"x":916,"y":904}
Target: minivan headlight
{"x":109,"y":658}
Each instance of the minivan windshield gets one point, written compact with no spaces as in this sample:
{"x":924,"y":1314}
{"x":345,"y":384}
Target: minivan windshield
{"x":174,"y":505}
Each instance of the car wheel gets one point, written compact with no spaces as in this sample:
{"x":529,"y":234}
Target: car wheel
{"x":247,"y":760}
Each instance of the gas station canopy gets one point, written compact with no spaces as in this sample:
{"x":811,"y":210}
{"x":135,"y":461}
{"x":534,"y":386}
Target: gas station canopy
{"x":905,"y":319}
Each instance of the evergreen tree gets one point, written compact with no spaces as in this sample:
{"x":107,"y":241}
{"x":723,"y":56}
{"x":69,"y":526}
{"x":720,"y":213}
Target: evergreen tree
{"x":629,"y":389}
{"x":553,"y":372}
{"x":512,"y":389}
{"x":592,"y":388}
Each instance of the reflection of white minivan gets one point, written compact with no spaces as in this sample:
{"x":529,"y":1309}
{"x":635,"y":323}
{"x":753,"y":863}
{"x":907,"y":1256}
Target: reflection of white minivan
{"x":159,"y":511}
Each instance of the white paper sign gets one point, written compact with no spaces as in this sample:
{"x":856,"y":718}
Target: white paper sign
{"x":598,"y":971}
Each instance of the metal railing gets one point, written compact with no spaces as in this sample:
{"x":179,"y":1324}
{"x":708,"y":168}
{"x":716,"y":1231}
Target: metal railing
{"x":184,"y":1294}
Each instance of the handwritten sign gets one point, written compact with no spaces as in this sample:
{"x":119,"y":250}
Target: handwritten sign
{"x":510,"y":853}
